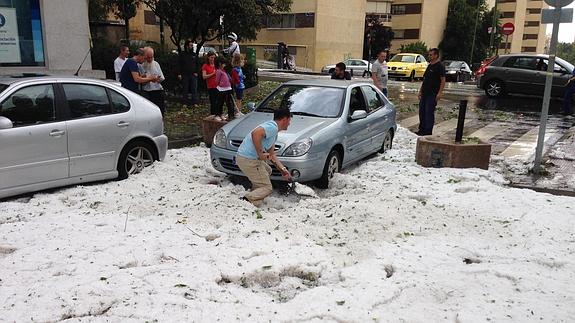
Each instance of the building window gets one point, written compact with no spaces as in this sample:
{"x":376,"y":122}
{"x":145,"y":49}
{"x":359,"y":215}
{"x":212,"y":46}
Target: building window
{"x":530,"y":36}
{"x":150,"y":18}
{"x":534,"y":11}
{"x":305,"y":20}
{"x":406,"y":33}
{"x":528,"y":49}
{"x":406,"y":9}
{"x":379,"y":18}
{"x":532,"y":24}
{"x":508,"y":14}
{"x":283,"y":21}
{"x":21,"y":42}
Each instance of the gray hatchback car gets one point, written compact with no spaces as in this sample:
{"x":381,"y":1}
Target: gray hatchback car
{"x":57,"y":131}
{"x":523,"y":74}
{"x":335,"y":123}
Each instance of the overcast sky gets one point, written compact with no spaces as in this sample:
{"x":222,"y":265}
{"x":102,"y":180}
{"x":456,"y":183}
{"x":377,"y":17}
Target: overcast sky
{"x":566,"y":31}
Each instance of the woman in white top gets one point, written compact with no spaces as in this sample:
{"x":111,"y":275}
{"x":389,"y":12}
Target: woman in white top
{"x":153,"y":91}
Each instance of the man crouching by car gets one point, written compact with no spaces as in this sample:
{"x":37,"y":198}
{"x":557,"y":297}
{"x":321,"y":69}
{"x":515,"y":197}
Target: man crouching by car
{"x":255,"y":152}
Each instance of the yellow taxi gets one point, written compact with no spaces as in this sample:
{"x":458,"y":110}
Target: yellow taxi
{"x":407,"y":65}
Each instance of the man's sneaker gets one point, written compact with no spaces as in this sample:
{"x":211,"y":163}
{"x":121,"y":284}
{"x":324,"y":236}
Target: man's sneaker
{"x":224,"y":117}
{"x":218,"y":118}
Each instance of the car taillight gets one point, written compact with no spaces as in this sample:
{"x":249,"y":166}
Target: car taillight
{"x":484,"y":65}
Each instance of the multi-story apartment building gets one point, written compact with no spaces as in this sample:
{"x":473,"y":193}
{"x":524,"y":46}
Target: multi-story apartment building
{"x":317,"y":32}
{"x":529,"y":35}
{"x":418,"y":20}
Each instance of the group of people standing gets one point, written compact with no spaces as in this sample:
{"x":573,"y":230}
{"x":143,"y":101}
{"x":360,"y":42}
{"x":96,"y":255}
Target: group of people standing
{"x":225,"y":84}
{"x":141,"y":74}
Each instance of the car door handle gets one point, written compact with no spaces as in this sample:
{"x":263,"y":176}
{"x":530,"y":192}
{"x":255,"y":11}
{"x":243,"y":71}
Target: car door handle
{"x":123,"y":124}
{"x":57,"y":133}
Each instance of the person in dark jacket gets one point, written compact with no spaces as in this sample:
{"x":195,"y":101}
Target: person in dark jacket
{"x":188,"y":72}
{"x":340,"y":73}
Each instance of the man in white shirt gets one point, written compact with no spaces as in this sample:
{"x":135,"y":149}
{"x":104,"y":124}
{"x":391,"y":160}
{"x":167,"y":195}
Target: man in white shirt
{"x":153,"y":91}
{"x":379,"y":72}
{"x":120,"y":60}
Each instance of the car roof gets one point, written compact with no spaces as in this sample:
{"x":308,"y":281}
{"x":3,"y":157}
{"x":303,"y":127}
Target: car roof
{"x":327,"y":83}
{"x":8,"y":80}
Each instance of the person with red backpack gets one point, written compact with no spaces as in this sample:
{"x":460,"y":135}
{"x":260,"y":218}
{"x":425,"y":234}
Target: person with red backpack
{"x":238,"y":78}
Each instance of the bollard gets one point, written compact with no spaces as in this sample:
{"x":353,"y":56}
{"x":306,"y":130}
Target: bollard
{"x":461,"y":120}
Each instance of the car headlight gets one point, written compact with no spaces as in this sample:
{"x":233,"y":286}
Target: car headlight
{"x":299,"y":148}
{"x":451,"y":72}
{"x":220,"y":139}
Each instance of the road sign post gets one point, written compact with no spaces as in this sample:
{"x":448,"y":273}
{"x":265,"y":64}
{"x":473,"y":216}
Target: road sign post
{"x":507,"y":29}
{"x":553,"y":16}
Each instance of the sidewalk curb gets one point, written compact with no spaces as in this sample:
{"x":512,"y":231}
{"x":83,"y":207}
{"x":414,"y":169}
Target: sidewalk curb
{"x":544,"y":190}
{"x":291,"y":72}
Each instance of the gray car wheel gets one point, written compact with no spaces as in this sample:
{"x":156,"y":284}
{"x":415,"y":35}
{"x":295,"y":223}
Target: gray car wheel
{"x":136,"y":156}
{"x":387,"y":142}
{"x":494,"y":88}
{"x":332,"y":166}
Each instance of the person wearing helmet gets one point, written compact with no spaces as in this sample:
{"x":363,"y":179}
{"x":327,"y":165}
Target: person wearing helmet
{"x":234,"y":47}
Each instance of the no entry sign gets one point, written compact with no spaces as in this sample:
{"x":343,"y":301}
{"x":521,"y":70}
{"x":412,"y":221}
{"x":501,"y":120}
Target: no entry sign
{"x":507,"y":28}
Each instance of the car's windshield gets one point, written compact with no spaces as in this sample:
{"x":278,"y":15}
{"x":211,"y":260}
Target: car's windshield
{"x":314,"y":101}
{"x":454,"y":64}
{"x":403,"y":58}
{"x":3,"y":87}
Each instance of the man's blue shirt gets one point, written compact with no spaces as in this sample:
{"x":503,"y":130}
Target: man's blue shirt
{"x":247,"y":148}
{"x":126,"y":77}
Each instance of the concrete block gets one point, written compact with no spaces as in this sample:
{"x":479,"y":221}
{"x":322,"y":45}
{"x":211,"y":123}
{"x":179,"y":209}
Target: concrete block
{"x":433,"y":151}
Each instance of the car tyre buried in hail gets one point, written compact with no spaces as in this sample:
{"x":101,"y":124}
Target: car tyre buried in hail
{"x":332,"y":166}
{"x":494,"y":88}
{"x":387,"y":142}
{"x":135,"y":156}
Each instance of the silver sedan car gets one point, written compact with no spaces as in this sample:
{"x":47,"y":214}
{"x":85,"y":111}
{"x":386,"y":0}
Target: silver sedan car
{"x":355,"y":66}
{"x":62,"y":131}
{"x":335,"y":123}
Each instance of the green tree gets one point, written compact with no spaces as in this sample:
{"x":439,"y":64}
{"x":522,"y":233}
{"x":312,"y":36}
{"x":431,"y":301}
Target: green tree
{"x":466,"y":30}
{"x":199,"y":20}
{"x":418,"y":47}
{"x":566,"y":51}
{"x":376,"y":36}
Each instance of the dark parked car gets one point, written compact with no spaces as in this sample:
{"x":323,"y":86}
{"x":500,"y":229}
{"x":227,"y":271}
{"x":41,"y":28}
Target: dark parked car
{"x":457,"y":71}
{"x":523,"y":74}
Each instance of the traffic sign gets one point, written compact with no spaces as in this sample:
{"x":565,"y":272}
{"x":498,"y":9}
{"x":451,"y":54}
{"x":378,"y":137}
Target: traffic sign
{"x":507,"y":28}
{"x":558,"y":3}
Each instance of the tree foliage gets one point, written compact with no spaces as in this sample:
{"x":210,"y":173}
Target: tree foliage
{"x":418,"y":47}
{"x":199,"y":20}
{"x":567,"y":52}
{"x":376,"y":36}
{"x":459,"y":33}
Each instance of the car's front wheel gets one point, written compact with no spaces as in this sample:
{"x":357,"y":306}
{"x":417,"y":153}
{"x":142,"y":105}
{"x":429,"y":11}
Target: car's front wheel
{"x":332,"y":166}
{"x":135,"y":156}
{"x":494,"y":88}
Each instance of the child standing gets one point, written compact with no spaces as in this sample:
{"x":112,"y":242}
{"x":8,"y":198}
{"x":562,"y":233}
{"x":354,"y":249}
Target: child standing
{"x":224,"y":86}
{"x":238,"y":78}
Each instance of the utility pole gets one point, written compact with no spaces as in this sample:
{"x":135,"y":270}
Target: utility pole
{"x":493,"y":30}
{"x":474,"y":34}
{"x":554,"y":16}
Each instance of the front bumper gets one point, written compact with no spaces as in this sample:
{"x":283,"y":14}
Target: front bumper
{"x":397,"y":73}
{"x":162,"y":145}
{"x":309,"y":166}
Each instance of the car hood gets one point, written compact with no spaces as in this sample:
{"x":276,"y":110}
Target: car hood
{"x":301,"y":127}
{"x":399,"y":64}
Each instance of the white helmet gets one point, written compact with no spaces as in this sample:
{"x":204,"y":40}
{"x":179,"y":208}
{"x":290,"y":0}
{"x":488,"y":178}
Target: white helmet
{"x":233,"y":36}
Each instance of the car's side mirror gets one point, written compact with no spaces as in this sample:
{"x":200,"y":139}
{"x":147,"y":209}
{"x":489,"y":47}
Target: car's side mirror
{"x":358,"y":114}
{"x":5,"y":123}
{"x":251,"y":106}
